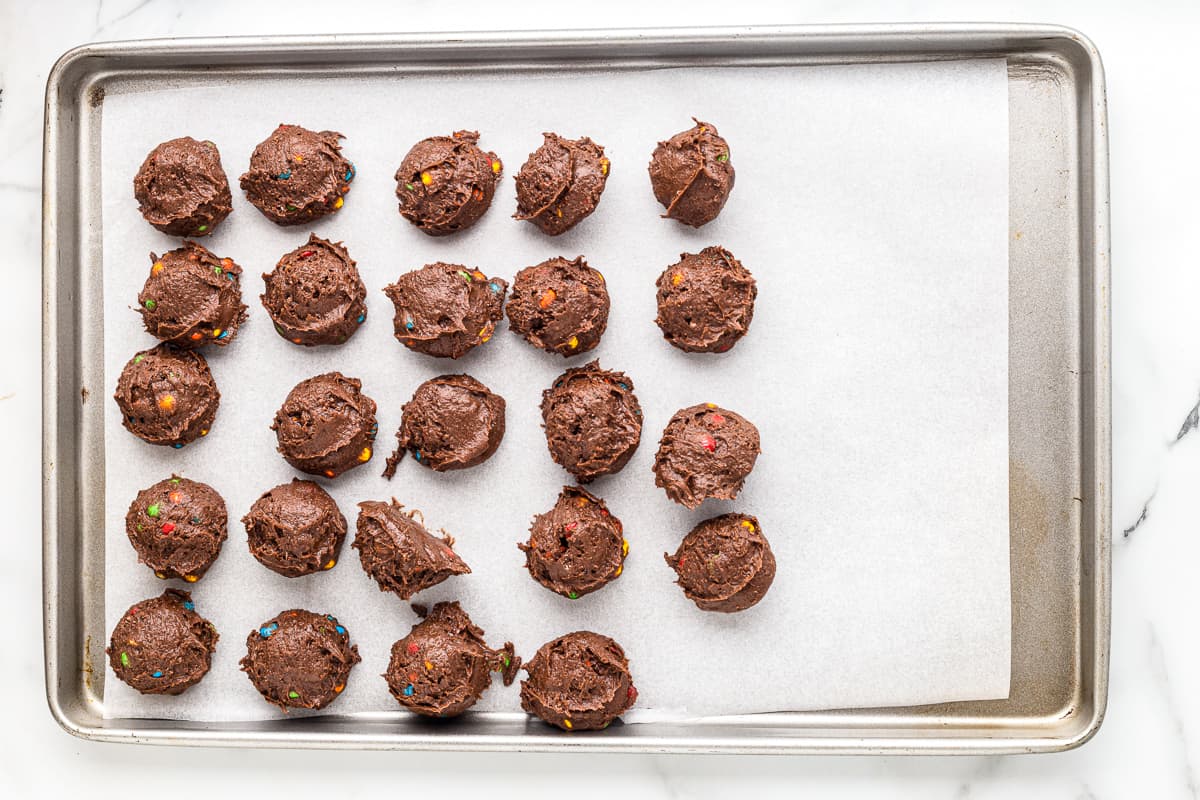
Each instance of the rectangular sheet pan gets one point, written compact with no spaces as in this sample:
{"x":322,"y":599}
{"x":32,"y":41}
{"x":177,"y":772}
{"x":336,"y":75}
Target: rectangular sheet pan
{"x":1059,"y":383}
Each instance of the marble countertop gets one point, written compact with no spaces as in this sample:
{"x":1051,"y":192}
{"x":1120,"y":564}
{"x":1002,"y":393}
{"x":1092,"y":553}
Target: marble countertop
{"x":1148,"y":745}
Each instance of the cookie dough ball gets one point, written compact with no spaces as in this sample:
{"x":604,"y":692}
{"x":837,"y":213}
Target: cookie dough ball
{"x":578,"y":682}
{"x":691,"y":175}
{"x":315,"y":294}
{"x":297,"y":175}
{"x":561,"y":183}
{"x":560,"y":306}
{"x":452,"y":422}
{"x":177,"y":527}
{"x":181,"y":188}
{"x":705,"y":451}
{"x":593,"y":421}
{"x":446,"y":183}
{"x":326,"y":425}
{"x":445,"y":310}
{"x":299,"y":659}
{"x":192,"y":298}
{"x":706,"y":301}
{"x":576,"y":547}
{"x":161,"y":645}
{"x":400,"y":553}
{"x":167,"y":396}
{"x":443,"y":665}
{"x":724,"y":564}
{"x":295,"y":529}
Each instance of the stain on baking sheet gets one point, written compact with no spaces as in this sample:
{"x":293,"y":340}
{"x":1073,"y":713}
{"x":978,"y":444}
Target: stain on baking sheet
{"x":96,"y":96}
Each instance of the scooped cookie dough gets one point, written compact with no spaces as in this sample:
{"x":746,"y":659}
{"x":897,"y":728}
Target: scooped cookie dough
{"x":724,"y":563}
{"x":705,"y":451}
{"x":297,"y":176}
{"x":577,"y":547}
{"x":593,"y":421}
{"x":400,"y":553}
{"x":443,"y":665}
{"x":192,"y":298}
{"x":177,"y":527}
{"x":559,"y":306}
{"x":446,"y":183}
{"x":167,"y":396}
{"x":181,"y":188}
{"x":299,"y":659}
{"x":691,"y":175}
{"x":161,"y":645}
{"x":315,"y":295}
{"x":452,"y":422}
{"x":295,"y":529}
{"x":561,"y":183}
{"x":446,"y":310}
{"x":326,"y":425}
{"x":705,"y":301}
{"x":578,"y":682}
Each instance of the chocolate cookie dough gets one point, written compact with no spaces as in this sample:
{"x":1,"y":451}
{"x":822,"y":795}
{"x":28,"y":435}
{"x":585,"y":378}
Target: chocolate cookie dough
{"x":724,"y":564}
{"x":706,"y":301}
{"x":192,"y":298}
{"x":560,"y":306}
{"x":576,"y":547}
{"x":452,"y":422}
{"x":167,"y":396}
{"x":446,"y":183}
{"x":400,"y":553}
{"x":593,"y":421}
{"x":315,"y":294}
{"x":177,"y":527}
{"x":181,"y":188}
{"x":691,"y":174}
{"x":705,"y":451}
{"x":161,"y":645}
{"x":299,"y":659}
{"x":326,"y":425}
{"x":445,"y":310}
{"x":295,"y":529}
{"x":561,"y":183}
{"x":297,"y":175}
{"x":443,"y":665}
{"x":578,"y":682}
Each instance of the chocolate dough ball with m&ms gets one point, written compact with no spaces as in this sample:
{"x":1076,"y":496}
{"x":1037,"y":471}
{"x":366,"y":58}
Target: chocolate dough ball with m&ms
{"x":445,"y":310}
{"x":559,"y":306}
{"x":300,"y":659}
{"x":399,"y":552}
{"x":297,"y":176}
{"x":161,"y":645}
{"x":705,"y":301}
{"x":705,"y":451}
{"x":315,"y":295}
{"x":691,"y":175}
{"x":181,"y":188}
{"x":576,"y":547}
{"x":724,"y":564}
{"x":177,"y":527}
{"x":326,"y":425}
{"x":192,"y":298}
{"x":167,"y":396}
{"x":561,"y":183}
{"x":593,"y":421}
{"x":451,"y":422}
{"x":295,"y":529}
{"x":446,"y":183}
{"x":578,"y":682}
{"x":443,"y":666}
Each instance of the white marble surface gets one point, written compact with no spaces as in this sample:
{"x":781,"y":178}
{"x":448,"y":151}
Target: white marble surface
{"x":1148,"y":745}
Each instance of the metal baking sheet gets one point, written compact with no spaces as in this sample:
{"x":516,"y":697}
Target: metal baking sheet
{"x":1058,"y":395}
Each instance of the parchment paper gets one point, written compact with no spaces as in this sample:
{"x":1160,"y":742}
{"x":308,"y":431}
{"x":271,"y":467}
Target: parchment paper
{"x":871,"y":206}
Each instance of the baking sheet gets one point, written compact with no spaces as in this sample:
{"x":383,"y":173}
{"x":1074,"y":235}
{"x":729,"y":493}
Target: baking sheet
{"x":871,"y":206}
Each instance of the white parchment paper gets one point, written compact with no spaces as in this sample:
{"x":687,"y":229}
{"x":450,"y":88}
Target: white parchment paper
{"x":871,"y":205}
